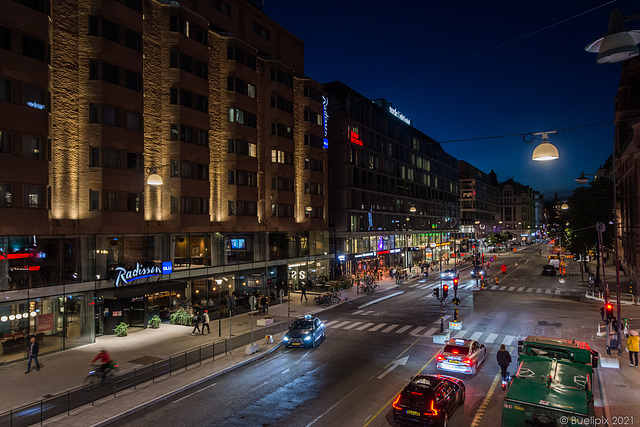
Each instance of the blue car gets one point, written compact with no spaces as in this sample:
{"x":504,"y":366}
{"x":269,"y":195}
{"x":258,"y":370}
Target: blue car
{"x":304,"y":332}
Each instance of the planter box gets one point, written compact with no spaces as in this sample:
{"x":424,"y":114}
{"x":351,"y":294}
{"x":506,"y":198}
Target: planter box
{"x":441,"y":338}
{"x":265,"y":322}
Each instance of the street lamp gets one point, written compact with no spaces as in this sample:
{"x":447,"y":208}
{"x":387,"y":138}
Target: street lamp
{"x":545,"y":151}
{"x":219,"y":282}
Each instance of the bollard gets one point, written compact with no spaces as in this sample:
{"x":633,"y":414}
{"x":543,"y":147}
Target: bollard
{"x":269,"y":339}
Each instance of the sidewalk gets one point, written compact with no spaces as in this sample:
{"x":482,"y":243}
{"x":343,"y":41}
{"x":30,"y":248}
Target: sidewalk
{"x":65,"y":370}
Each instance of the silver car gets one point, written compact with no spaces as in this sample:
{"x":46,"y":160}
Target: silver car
{"x":460,"y":355}
{"x":450,"y":274}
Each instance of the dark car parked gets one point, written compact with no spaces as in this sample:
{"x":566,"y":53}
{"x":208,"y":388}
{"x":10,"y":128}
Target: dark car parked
{"x":548,"y":270}
{"x":428,"y":400}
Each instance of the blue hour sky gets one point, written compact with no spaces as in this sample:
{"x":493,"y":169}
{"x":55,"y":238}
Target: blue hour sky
{"x":465,"y":71}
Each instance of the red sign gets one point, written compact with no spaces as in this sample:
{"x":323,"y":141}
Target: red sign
{"x":44,"y":322}
{"x":355,"y":138}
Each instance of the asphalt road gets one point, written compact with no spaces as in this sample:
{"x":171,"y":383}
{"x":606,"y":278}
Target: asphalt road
{"x":352,"y":377}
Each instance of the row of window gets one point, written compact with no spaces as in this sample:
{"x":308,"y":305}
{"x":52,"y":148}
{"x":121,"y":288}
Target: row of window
{"x":24,"y":144}
{"x":32,"y":47}
{"x":239,"y":55}
{"x":260,"y":30}
{"x":245,"y":148}
{"x":241,"y":177}
{"x":313,"y":117}
{"x":282,"y":104}
{"x":189,"y":170}
{"x":30,"y":96}
{"x":240,"y":86}
{"x":221,"y":6}
{"x":100,"y":27}
{"x":312,"y":92}
{"x":189,"y":205}
{"x":280,"y":76}
{"x":186,"y":63}
{"x":188,"y":99}
{"x":242,"y":117}
{"x":313,"y":140}
{"x":189,"y":134}
{"x":33,"y":196}
{"x":115,"y":201}
{"x":114,"y":159}
{"x":187,"y":28}
{"x":114,"y":116}
{"x":99,"y":70}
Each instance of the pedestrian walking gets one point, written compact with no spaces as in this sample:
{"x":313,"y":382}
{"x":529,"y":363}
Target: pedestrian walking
{"x":303,"y":289}
{"x":33,"y":354}
{"x":265,"y":304}
{"x":633,"y":346}
{"x":205,"y":322}
{"x":504,"y":359}
{"x":196,"y":321}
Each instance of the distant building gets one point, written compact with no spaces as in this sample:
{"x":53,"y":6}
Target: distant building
{"x":480,"y":197}
{"x":518,"y":206}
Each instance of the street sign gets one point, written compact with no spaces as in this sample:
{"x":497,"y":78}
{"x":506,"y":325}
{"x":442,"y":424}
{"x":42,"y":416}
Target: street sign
{"x":252,"y":302}
{"x":281,"y":293}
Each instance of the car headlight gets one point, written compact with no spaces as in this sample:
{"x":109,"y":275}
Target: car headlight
{"x":285,"y":338}
{"x":307,"y":338}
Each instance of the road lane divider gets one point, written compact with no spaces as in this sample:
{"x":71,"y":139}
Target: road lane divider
{"x":380,"y":299}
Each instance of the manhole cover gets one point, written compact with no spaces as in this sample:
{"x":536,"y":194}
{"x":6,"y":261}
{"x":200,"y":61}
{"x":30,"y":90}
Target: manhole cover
{"x":145,"y":360}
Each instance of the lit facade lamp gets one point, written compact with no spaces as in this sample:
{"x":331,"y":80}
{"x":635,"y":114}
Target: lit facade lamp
{"x":153,"y":178}
{"x":618,"y":44}
{"x":564,"y":206}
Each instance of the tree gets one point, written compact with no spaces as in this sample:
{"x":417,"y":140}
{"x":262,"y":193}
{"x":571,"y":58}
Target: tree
{"x":588,"y":206}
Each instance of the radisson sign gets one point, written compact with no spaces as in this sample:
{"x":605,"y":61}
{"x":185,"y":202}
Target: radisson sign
{"x":399,"y":115}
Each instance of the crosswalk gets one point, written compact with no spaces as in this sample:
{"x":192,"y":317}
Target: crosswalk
{"x":524,"y":289}
{"x":417,"y":331}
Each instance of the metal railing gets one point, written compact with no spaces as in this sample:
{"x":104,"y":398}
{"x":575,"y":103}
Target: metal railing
{"x":44,"y":409}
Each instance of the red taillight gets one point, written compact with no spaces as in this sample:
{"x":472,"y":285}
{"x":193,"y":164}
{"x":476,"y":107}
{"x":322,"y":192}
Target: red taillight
{"x":441,"y":357}
{"x":433,"y":411}
{"x":467,"y":361}
{"x":395,"y":403}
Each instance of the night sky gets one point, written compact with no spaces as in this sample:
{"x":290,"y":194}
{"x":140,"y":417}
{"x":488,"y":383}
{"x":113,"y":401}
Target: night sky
{"x":471,"y":70}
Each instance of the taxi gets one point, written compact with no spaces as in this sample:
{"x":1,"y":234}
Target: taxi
{"x":304,"y":332}
{"x":460,"y":355}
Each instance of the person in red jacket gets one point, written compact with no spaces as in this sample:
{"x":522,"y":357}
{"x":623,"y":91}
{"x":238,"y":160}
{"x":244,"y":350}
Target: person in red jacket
{"x":105,"y":361}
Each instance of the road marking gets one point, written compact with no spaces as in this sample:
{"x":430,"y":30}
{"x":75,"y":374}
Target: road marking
{"x":404,"y":328}
{"x":491,"y":338}
{"x":485,"y":402}
{"x":430,"y":332}
{"x":416,"y":330}
{"x":330,"y":323}
{"x":424,"y":286}
{"x":381,"y":299}
{"x":558,"y":291}
{"x":359,"y":312}
{"x":394,"y":365}
{"x":475,"y":336}
{"x":511,"y":288}
{"x":529,"y":289}
{"x":414,"y":285}
{"x":390,"y":328}
{"x":460,"y":334}
{"x":502,"y":288}
{"x":508,"y":340}
{"x":375,"y":328}
{"x":521,"y":288}
{"x":341,"y":324}
{"x":548,"y":291}
{"x":353,"y":325}
{"x":494,"y":287}
{"x":365,"y":326}
{"x":195,"y":392}
{"x":539,"y":290}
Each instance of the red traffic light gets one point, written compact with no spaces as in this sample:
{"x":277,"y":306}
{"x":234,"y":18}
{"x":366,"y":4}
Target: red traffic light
{"x":446,"y":288}
{"x":609,"y":307}
{"x":455,"y":281}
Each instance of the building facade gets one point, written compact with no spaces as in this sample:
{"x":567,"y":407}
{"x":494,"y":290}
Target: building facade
{"x":153,"y":154}
{"x":519,"y":214}
{"x":393,"y":190}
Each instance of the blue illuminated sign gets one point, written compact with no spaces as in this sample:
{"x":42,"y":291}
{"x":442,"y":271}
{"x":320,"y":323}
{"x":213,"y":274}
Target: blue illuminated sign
{"x":167,"y":267}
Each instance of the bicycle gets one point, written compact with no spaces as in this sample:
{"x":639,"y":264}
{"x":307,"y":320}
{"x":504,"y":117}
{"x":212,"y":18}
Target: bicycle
{"x":94,"y":379}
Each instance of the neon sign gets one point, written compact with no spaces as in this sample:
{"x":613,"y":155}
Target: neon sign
{"x":126,"y":276}
{"x":355,"y":138}
{"x":399,"y":115}
{"x":325,"y":120}
{"x":36,"y":105}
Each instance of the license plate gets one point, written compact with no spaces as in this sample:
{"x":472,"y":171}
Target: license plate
{"x":453,"y":361}
{"x":295,"y":343}
{"x":414,"y":413}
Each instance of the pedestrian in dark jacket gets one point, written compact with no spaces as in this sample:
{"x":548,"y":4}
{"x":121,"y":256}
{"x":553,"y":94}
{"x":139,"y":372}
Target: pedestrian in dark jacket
{"x":196,"y":321}
{"x":33,"y":354}
{"x":504,"y":359}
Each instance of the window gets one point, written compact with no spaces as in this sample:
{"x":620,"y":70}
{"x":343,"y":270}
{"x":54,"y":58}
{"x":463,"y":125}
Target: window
{"x":5,"y":195}
{"x":260,"y":30}
{"x":231,"y":177}
{"x":175,"y":169}
{"x":241,"y":86}
{"x":110,"y":115}
{"x":33,"y":196}
{"x":202,"y":103}
{"x":241,"y":56}
{"x":246,"y":148}
{"x":173,"y":132}
{"x":110,"y":73}
{"x":133,"y":121}
{"x":5,"y":90}
{"x":312,"y":188}
{"x":282,"y":77}
{"x":285,"y":210}
{"x":133,"y":81}
{"x":33,"y":97}
{"x":94,"y":156}
{"x":110,"y":31}
{"x":5,"y":142}
{"x":186,"y":98}
{"x":110,"y":201}
{"x":110,"y":158}
{"x":175,"y":205}
{"x":281,"y":183}
{"x":94,"y":69}
{"x":94,"y":200}
{"x":132,"y":40}
{"x":134,"y":161}
{"x":281,"y":104}
{"x":33,"y":47}
{"x":313,"y":140}
{"x":312,"y":93}
{"x":282,"y":130}
{"x":247,"y":178}
{"x":243,"y":117}
{"x":221,"y":6}
{"x":232,"y":210}
{"x":94,"y":113}
{"x":246,"y":208}
{"x":33,"y":146}
{"x":94,"y":26}
{"x":283,"y":157}
{"x":5,"y":38}
{"x":133,"y":202}
{"x":195,"y":205}
{"x":313,"y":117}
{"x":313,"y":164}
{"x":231,"y":146}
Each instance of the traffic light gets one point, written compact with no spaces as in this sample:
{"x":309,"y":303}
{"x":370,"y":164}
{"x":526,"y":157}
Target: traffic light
{"x":436,"y":293}
{"x":609,"y":310}
{"x":445,"y":291}
{"x":455,"y":284}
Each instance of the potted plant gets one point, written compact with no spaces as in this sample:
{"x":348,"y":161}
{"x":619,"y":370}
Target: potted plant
{"x":180,"y":317}
{"x":154,"y":322}
{"x":121,"y":330}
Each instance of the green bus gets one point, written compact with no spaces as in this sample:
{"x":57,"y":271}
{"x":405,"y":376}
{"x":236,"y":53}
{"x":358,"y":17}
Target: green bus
{"x":553,"y":383}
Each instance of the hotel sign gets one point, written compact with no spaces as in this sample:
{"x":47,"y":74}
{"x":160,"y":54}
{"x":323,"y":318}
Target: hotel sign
{"x":325,"y":120}
{"x":126,"y":276}
{"x":399,"y":115}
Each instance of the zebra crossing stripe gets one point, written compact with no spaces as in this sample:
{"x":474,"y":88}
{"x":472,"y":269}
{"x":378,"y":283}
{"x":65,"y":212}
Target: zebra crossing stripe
{"x":558,"y":291}
{"x":358,"y":312}
{"x":403,"y":329}
{"x":511,"y":288}
{"x":365,"y":326}
{"x":529,"y":289}
{"x":460,"y":334}
{"x":476,"y":336}
{"x":491,"y":338}
{"x":521,"y":288}
{"x":494,"y":287}
{"x":502,"y":288}
{"x":423,"y":286}
{"x":353,"y":325}
{"x":375,"y":328}
{"x":415,"y":285}
{"x":430,"y":332}
{"x":389,"y":329}
{"x":330,"y":323}
{"x":538,"y":290}
{"x":548,"y":291}
{"x":366,"y":313}
{"x":339,"y":325}
{"x":416,"y":330}
{"x":508,"y":340}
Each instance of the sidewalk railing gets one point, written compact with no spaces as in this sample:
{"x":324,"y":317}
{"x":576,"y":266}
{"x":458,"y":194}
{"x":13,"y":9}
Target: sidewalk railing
{"x":44,"y":409}
{"x":625,"y":298}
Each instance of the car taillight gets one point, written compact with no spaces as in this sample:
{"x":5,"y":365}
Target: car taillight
{"x":432,"y":410}
{"x":395,"y":404}
{"x":467,"y":361}
{"x":441,"y":357}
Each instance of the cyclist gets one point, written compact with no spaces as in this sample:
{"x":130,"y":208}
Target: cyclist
{"x":105,"y":361}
